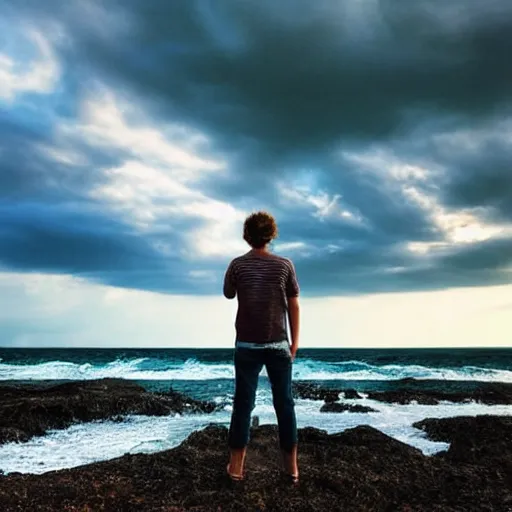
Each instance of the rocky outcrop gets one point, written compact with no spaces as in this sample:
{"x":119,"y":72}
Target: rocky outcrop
{"x":27,"y":411}
{"x":409,"y":390}
{"x":480,"y":441}
{"x":311,"y":391}
{"x":342,"y":407}
{"x":360,"y":469}
{"x":486,"y":393}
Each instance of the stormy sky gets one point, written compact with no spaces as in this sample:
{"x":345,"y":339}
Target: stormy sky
{"x":136,"y":136}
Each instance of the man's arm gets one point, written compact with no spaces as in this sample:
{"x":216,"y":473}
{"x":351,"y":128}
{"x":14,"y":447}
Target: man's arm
{"x":230,"y":282}
{"x":292,"y":294}
{"x":294,"y":318}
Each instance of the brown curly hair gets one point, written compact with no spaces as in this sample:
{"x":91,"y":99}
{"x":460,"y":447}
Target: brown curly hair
{"x":260,"y":228}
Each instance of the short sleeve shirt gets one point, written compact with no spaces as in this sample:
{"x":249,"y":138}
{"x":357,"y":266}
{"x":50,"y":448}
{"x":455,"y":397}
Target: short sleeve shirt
{"x":263,"y":284}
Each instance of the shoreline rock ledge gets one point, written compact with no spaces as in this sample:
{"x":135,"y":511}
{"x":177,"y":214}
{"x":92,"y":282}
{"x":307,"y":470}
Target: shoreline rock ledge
{"x":31,"y":410}
{"x":360,"y":469}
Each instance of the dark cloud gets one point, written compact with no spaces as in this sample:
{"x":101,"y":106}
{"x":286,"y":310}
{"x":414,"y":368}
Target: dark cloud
{"x":282,"y":89}
{"x":312,"y":75}
{"x":483,"y":181}
{"x":489,"y":255}
{"x":86,"y":243}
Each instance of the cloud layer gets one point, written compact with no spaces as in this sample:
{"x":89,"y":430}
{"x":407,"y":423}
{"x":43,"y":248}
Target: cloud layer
{"x":134,"y":140}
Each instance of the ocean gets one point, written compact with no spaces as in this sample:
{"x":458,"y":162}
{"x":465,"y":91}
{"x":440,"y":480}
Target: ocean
{"x":207,"y":374}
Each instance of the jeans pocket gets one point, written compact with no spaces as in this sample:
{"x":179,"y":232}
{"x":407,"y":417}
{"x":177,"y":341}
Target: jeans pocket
{"x":285,"y":352}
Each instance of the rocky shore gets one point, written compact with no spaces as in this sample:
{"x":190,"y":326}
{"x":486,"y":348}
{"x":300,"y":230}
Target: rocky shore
{"x":407,"y":391}
{"x":360,"y":469}
{"x":31,"y":410}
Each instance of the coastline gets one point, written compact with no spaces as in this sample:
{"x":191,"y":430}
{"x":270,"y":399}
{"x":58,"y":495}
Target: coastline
{"x":360,"y":468}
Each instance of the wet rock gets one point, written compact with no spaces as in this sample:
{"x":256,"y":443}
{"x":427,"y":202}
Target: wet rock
{"x":342,"y":407}
{"x":360,"y":469}
{"x":405,"y":397}
{"x":310,"y":391}
{"x":484,"y":440}
{"x":351,"y":394}
{"x":486,"y":393}
{"x":409,"y":390}
{"x":313,"y":391}
{"x":31,"y":411}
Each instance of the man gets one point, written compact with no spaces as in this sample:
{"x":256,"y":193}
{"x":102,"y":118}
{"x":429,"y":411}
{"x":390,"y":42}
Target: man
{"x":267,"y":290}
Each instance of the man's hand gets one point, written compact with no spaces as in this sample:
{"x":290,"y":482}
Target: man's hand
{"x":293,"y":350}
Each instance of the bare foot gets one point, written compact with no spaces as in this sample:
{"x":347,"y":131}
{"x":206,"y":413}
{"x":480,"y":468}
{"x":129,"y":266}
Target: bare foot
{"x":237,"y":477}
{"x":235,"y":468}
{"x":290,"y":463}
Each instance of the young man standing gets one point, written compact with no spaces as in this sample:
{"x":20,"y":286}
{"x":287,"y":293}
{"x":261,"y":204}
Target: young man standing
{"x":267,"y":290}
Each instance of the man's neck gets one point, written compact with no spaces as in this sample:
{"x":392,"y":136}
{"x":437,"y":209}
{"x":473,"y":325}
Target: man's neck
{"x":263,"y":251}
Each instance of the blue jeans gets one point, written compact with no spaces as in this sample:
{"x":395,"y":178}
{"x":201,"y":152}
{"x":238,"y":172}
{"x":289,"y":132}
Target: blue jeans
{"x":248,"y":365}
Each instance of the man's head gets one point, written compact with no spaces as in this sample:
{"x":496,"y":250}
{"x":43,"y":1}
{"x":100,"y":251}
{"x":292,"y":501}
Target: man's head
{"x":260,"y":228}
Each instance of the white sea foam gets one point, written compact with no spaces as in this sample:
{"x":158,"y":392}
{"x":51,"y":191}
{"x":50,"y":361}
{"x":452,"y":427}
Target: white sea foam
{"x":91,"y":442}
{"x":192,"y":369}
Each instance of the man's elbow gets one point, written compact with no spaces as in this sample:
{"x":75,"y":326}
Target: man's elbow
{"x":229,"y":294}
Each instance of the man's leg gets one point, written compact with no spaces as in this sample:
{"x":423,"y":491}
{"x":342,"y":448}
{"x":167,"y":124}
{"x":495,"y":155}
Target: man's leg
{"x":279,"y":369}
{"x":247,"y":368}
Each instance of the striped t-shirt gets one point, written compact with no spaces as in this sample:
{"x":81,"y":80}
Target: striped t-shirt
{"x":262,"y":283}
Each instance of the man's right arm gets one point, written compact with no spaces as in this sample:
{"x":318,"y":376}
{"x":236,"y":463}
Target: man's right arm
{"x":230,"y":282}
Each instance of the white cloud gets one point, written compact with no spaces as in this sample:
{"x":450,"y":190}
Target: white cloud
{"x":63,"y":311}
{"x":457,"y":227}
{"x":66,"y":156}
{"x":158,"y":180}
{"x":419,"y":186}
{"x":38,"y":76}
{"x":109,"y":122}
{"x":202,"y":275}
{"x":386,"y":165}
{"x":324,"y":205}
{"x":472,"y":142}
{"x":290,"y":246}
{"x":218,"y":239}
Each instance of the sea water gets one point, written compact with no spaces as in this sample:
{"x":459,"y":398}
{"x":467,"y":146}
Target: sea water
{"x":207,"y":374}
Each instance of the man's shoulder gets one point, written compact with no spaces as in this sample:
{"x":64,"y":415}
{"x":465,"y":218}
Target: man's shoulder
{"x":238,"y":259}
{"x":283,"y":259}
{"x":271,"y":258}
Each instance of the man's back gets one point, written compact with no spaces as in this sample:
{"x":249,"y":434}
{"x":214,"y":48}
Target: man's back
{"x":263,"y":283}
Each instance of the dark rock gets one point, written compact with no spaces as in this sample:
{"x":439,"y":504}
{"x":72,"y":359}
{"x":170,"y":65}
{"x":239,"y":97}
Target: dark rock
{"x":486,"y":393}
{"x":407,"y":390}
{"x":341,"y":407}
{"x":360,"y":469}
{"x":351,"y":394}
{"x":310,"y":391}
{"x":31,"y":411}
{"x":405,"y":397}
{"x":481,"y":440}
{"x":12,"y":434}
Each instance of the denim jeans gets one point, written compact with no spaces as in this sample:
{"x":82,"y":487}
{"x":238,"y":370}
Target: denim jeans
{"x":248,"y":365}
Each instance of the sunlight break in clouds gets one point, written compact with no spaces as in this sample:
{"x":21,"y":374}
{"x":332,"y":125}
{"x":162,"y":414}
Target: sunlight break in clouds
{"x":458,"y":227}
{"x":417,"y":185}
{"x":157,"y":182}
{"x":39,"y":75}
